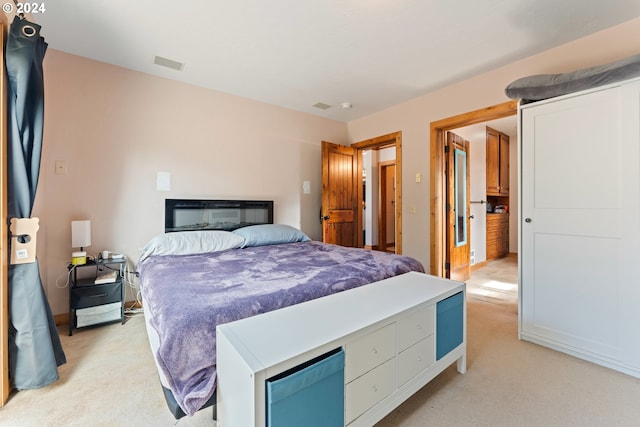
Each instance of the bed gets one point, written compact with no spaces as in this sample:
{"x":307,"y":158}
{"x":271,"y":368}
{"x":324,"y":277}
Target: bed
{"x":220,"y":261}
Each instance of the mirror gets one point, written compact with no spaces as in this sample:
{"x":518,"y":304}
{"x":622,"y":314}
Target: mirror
{"x":460,"y":164}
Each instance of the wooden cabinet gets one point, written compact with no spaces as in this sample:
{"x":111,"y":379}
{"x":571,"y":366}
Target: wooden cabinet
{"x":497,"y":163}
{"x":497,"y":235}
{"x":497,"y":193}
{"x":397,"y":335}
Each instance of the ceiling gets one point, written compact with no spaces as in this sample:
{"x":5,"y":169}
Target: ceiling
{"x":371,"y":54}
{"x":478,"y":131}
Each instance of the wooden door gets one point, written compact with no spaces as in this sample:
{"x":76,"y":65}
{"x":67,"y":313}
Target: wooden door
{"x":497,"y":163}
{"x":390,"y":206}
{"x":493,"y":162}
{"x":387,"y":215}
{"x":503,"y":166}
{"x":458,"y":208}
{"x":580,"y":187}
{"x":339,"y":194}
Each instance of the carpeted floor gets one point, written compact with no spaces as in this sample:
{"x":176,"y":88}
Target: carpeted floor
{"x":110,"y":379}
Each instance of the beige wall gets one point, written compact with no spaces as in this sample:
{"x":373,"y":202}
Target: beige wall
{"x":116,"y":129}
{"x":414,"y":117}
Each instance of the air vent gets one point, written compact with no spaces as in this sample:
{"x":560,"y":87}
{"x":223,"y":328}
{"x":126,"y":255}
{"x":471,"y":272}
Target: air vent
{"x":321,"y":105}
{"x":164,"y":62}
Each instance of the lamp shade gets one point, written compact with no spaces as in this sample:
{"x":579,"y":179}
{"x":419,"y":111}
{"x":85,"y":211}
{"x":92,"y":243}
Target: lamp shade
{"x":80,"y":234}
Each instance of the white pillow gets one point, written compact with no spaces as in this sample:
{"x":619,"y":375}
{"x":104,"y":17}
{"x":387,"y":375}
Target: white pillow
{"x":191,"y":242}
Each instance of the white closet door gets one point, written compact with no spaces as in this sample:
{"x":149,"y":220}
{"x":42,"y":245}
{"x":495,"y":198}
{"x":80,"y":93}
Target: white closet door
{"x":630,"y":299}
{"x":573,"y":215}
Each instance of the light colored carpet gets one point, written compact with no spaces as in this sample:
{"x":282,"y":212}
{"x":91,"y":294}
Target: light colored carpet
{"x":110,"y":380}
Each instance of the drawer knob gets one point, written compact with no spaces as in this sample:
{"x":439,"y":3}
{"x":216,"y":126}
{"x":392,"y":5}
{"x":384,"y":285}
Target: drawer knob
{"x":375,"y":389}
{"x":419,"y":326}
{"x":374,"y":350}
{"x":419,"y":359}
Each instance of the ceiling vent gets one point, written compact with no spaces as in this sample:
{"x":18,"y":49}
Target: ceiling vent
{"x":321,"y":105}
{"x":174,"y":65}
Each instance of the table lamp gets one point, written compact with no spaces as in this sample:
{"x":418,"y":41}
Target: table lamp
{"x":80,"y":238}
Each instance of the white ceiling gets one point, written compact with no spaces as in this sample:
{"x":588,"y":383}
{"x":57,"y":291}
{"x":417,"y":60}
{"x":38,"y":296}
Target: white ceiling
{"x":372,"y":54}
{"x":478,"y":131}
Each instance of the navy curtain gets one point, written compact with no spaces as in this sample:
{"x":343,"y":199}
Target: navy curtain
{"x":35,"y":351}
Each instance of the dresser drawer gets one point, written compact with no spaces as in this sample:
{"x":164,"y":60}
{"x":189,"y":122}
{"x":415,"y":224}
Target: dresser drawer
{"x":91,"y":296}
{"x":497,"y":224}
{"x":416,"y":359}
{"x":415,"y":327}
{"x":369,"y":389}
{"x":369,"y":351}
{"x":495,"y":235}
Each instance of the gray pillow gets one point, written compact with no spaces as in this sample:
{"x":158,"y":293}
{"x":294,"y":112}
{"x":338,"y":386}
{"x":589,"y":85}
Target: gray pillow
{"x":543,"y":86}
{"x":270,"y":234}
{"x":191,"y":242}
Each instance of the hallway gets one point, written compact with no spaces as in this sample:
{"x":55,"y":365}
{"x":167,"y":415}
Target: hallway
{"x":497,"y":282}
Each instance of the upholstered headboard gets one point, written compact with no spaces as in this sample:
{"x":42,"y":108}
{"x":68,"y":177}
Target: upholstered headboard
{"x":191,"y":214}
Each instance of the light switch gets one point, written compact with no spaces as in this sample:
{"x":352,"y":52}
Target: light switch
{"x":306,"y":187}
{"x":163,"y":181}
{"x":419,"y":177}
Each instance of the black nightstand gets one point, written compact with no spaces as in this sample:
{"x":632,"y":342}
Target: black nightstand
{"x":95,"y":304}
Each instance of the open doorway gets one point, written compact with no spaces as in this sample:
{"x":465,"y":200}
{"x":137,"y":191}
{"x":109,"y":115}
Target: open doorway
{"x":379,"y":199}
{"x":380,"y":195}
{"x":438,"y":177}
{"x":493,"y":210}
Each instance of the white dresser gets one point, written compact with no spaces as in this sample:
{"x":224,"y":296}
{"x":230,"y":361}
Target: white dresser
{"x":396,"y":334}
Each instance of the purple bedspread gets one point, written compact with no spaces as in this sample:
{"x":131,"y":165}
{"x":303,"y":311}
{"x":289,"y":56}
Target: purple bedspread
{"x":186,"y":296}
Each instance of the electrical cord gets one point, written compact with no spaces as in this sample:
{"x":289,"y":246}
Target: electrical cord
{"x":68,"y":276}
{"x":135,"y":309}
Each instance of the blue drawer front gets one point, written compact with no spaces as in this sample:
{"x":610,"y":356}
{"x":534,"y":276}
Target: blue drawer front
{"x":449,"y":327}
{"x":311,"y":395}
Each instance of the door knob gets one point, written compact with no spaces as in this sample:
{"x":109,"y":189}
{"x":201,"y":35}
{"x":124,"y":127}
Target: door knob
{"x":471,"y":217}
{"x":527,"y":220}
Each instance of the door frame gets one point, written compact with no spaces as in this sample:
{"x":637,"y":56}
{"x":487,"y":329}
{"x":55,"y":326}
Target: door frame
{"x":437,"y":172}
{"x":388,"y":140}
